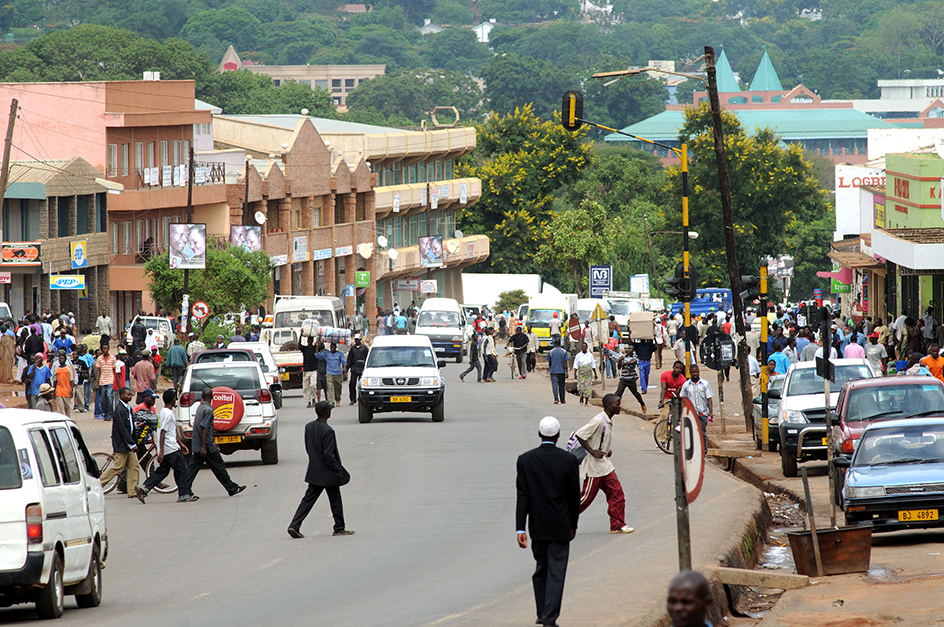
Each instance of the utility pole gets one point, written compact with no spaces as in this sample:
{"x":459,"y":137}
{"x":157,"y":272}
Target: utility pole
{"x":7,"y":144}
{"x":185,"y":306}
{"x":724,"y":183}
{"x":246,"y":216}
{"x":764,"y":378}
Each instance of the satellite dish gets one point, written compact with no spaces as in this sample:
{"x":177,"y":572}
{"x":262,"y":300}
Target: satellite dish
{"x":260,"y":218}
{"x":393,"y":253}
{"x":452,"y":246}
{"x":382,"y":241}
{"x":365,"y":250}
{"x":459,"y":234}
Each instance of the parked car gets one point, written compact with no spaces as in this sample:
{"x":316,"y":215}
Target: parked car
{"x":883,"y":398}
{"x":775,"y":384}
{"x":53,"y":538}
{"x":247,"y":351}
{"x":163,"y":332}
{"x":401,"y":375}
{"x":801,"y":413}
{"x":894,"y":479}
{"x":239,"y":392}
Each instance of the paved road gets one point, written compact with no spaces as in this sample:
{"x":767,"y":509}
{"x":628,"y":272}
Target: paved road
{"x":433,"y":510}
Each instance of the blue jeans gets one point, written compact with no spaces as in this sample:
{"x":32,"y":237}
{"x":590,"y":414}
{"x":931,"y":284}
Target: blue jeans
{"x":105,"y":402}
{"x":611,"y":371}
{"x":557,"y":386}
{"x":87,"y":389}
{"x":644,"y":375}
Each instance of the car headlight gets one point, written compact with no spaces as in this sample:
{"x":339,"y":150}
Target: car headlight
{"x":861,"y":493}
{"x":430,"y":381}
{"x":795,"y":416}
{"x":457,"y":338}
{"x":371,"y":382}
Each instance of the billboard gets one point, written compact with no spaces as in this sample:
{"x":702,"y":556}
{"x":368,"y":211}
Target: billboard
{"x":601,"y":280}
{"x":66,"y":282}
{"x":249,"y":238}
{"x":187,"y":246}
{"x":21,"y":254}
{"x":431,"y":251}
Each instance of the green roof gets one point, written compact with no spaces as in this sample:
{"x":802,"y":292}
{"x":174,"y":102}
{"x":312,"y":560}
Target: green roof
{"x":726,"y":81}
{"x":766,"y":79}
{"x":789,"y":124}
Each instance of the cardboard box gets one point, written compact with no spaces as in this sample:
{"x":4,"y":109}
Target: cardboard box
{"x":641,"y":325}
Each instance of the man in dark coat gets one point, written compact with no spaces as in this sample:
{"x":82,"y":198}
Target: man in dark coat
{"x":325,"y":472}
{"x":203,"y":448}
{"x":356,"y":355}
{"x":549,"y":500}
{"x":138,"y":331}
{"x":124,"y":446}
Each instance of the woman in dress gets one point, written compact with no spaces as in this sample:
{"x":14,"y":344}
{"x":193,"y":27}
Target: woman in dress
{"x":585,"y":371}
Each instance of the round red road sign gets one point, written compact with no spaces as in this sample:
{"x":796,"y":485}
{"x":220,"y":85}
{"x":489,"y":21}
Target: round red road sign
{"x":693,"y":451}
{"x":227,"y":408}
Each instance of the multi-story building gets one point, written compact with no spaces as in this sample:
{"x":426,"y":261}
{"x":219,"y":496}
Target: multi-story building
{"x":414,"y":197}
{"x":138,"y":133}
{"x":338,"y":80}
{"x":55,"y":249}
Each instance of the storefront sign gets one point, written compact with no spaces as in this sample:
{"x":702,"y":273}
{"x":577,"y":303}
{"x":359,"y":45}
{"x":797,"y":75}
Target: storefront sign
{"x":470,"y":250}
{"x":279,"y":260}
{"x":349,"y":290}
{"x":408,"y":284}
{"x":428,"y":287}
{"x":21,"y":253}
{"x":318,"y":255}
{"x":362,"y":278}
{"x":840,"y":288}
{"x":66,"y":282}
{"x":879,"y":213}
{"x":77,"y":250}
{"x":463,"y":193}
{"x":396,"y":202}
{"x":343,"y":251}
{"x":6,"y":278}
{"x":300,"y":249}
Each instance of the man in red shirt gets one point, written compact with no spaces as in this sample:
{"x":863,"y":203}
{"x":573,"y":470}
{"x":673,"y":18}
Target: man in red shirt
{"x":670,"y":385}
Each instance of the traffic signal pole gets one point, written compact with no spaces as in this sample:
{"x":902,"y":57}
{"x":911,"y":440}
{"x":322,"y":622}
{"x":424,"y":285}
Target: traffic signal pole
{"x":764,"y":403}
{"x":686,"y":265}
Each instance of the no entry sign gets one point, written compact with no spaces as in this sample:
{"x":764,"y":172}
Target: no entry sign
{"x":693,"y":451}
{"x":200,"y":310}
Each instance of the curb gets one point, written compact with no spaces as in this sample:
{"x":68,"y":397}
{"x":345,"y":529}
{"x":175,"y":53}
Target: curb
{"x":749,"y":475}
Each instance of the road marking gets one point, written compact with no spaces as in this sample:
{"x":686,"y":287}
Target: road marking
{"x":205,"y":594}
{"x":272,"y":563}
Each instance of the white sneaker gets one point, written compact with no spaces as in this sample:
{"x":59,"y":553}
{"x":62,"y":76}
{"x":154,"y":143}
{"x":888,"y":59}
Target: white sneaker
{"x":623,"y":529}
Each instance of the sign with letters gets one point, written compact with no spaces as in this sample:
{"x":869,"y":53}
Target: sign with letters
{"x":66,"y":282}
{"x":78,"y":253}
{"x":601,"y":280}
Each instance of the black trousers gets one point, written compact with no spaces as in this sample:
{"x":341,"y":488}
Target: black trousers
{"x":215,"y":461}
{"x":548,"y":578}
{"x":172,"y":461}
{"x":532,"y":358}
{"x":177,"y":374}
{"x":308,"y":501}
{"x":631,"y":386}
{"x":473,"y":365}
{"x":353,"y":377}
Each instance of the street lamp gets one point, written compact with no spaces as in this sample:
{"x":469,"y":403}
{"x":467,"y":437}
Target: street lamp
{"x":691,"y":234}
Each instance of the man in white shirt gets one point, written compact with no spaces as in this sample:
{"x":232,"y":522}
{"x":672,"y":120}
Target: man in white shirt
{"x":170,"y":453}
{"x":103,"y":324}
{"x":554,"y":326}
{"x":899,"y":325}
{"x":753,"y":369}
{"x":833,"y":354}
{"x":698,"y":391}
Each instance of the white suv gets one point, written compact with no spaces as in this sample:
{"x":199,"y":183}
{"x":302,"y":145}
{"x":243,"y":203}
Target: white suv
{"x":53,"y":539}
{"x":241,"y":396}
{"x":401,"y":374}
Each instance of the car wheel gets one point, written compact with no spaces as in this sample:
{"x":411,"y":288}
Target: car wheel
{"x":49,"y":602}
{"x":277,"y":400}
{"x":364,"y":414}
{"x":459,"y":358}
{"x":773,"y":446}
{"x":788,"y":463}
{"x":758,"y":442}
{"x":270,"y":453}
{"x":94,"y":596}
{"x":439,"y":412}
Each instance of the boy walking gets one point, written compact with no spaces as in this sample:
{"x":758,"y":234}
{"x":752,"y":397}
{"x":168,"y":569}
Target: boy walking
{"x":170,"y":453}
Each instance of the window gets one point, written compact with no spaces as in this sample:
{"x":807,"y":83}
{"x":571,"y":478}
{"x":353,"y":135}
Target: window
{"x":321,"y":84}
{"x":420,"y":172}
{"x":114,"y":237}
{"x":336,"y":83}
{"x":164,"y":155}
{"x":439,"y":170}
{"x":276,"y":82}
{"x":112,"y":159}
{"x":138,"y":156}
{"x":125,"y":237}
{"x":47,"y":470}
{"x":165,"y":229}
{"x":397,"y":232}
{"x":422,"y":225}
{"x":139,"y":233}
{"x":91,"y":466}
{"x":81,"y":218}
{"x":412,"y":231}
{"x":397,"y":173}
{"x":10,"y":475}
{"x":68,"y":464}
{"x":101,"y":212}
{"x":62,"y":211}
{"x":430,"y":170}
{"x":349,"y":83}
{"x":150,"y":160}
{"x":177,"y":160}
{"x":305,"y":81}
{"x":412,"y":174}
{"x":124,"y":159}
{"x":450,"y":224}
{"x":316,"y":205}
{"x":450,"y":169}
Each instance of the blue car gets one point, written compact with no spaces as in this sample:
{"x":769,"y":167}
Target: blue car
{"x":895,"y":479}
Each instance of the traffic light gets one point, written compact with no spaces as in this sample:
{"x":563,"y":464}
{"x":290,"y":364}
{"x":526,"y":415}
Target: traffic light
{"x":751,"y":285}
{"x":679,"y":287}
{"x":572,"y":110}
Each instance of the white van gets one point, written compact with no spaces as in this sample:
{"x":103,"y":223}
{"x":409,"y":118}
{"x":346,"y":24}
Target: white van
{"x":53,"y":539}
{"x":443,"y":322}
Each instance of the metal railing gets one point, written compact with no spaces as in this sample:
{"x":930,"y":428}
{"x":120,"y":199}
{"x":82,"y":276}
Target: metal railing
{"x":176,"y":176}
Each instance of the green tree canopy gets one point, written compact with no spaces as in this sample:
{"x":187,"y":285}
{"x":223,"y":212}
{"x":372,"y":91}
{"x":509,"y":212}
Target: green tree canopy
{"x":412,"y":94}
{"x":511,"y":300}
{"x":214,"y":30}
{"x":455,"y":49}
{"x":578,"y":238}
{"x":512,"y":81}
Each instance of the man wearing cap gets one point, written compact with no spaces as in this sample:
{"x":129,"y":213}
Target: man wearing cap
{"x":45,"y":398}
{"x":875,"y":353}
{"x":548,"y":486}
{"x":554,"y":327}
{"x":356,"y":357}
{"x":195,"y":345}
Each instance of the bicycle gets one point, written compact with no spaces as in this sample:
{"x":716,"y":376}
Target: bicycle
{"x":147,"y":460}
{"x":662,"y":434}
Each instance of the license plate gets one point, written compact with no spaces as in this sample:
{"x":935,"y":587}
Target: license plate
{"x":283,"y":376}
{"x":825,"y":441}
{"x":913,"y":515}
{"x":401,"y":399}
{"x":228,"y":439}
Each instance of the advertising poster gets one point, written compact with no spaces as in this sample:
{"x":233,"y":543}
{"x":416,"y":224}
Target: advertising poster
{"x":187,"y":246}
{"x":431,"y":251}
{"x":249,"y":238}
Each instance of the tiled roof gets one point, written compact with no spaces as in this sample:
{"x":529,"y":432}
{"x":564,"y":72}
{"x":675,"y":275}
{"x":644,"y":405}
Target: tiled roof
{"x":765,"y":78}
{"x":726,"y":80}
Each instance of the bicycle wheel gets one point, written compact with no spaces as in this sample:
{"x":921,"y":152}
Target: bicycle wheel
{"x":104,"y":461}
{"x":663,"y":435}
{"x":167,"y":485}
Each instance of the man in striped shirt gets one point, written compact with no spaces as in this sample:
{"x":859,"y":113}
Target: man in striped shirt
{"x":106,"y":379}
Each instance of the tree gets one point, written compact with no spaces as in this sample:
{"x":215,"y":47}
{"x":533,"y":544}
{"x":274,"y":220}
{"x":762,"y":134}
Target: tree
{"x":631,"y":100}
{"x":412,"y":94}
{"x":214,"y":30}
{"x":578,"y":238}
{"x":809,"y":243}
{"x":233,"y":279}
{"x":511,"y":82}
{"x":511,"y":300}
{"x":452,"y":13}
{"x":455,"y":49}
{"x":245,"y":93}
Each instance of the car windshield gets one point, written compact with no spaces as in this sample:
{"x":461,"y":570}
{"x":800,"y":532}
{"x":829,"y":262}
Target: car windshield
{"x":282,"y":337}
{"x":625,"y":307}
{"x":295,"y":318}
{"x":237,"y":378}
{"x":542,"y":316}
{"x":806,"y":381}
{"x":391,"y":356}
{"x":152,"y":323}
{"x":221,"y":358}
{"x":894,"y":401}
{"x":438,"y":319}
{"x":5,"y":311}
{"x":901,"y":445}
{"x":11,"y":467}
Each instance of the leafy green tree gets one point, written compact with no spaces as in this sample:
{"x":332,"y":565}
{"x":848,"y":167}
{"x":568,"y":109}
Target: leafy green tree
{"x":452,"y":13}
{"x":512,"y":81}
{"x":456,"y":50}
{"x":412,"y":94}
{"x":578,"y":238}
{"x":528,"y":11}
{"x":414,"y":11}
{"x":564,"y":44}
{"x":214,"y":30}
{"x":511,"y":300}
{"x":809,"y":243}
{"x":370,"y":44}
{"x":233,"y":279}
{"x":267,"y":11}
{"x":631,"y":100}
{"x":245,"y":93}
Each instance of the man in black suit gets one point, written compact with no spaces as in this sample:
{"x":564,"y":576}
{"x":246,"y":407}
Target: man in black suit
{"x":549,"y":495}
{"x":325,"y":472}
{"x":124,"y":446}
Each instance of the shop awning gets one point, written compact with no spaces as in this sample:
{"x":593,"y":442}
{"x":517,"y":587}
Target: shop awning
{"x":856,"y":261}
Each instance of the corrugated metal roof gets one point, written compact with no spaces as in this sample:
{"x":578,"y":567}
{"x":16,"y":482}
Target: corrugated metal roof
{"x":789,"y":124}
{"x":36,"y":171}
{"x":323,"y":125}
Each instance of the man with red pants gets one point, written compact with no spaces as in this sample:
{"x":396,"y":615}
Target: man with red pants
{"x":597,"y":470}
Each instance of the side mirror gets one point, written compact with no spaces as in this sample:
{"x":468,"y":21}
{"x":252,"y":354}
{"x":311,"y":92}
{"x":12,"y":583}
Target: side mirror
{"x":773,"y":394}
{"x":441,"y":363}
{"x":842,"y":462}
{"x":757,"y":400}
{"x":834,"y":417}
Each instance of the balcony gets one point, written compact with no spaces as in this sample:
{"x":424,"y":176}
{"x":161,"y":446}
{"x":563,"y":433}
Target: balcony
{"x":411,"y":194}
{"x":472,"y":250}
{"x":176,"y":176}
{"x":166,"y":187}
